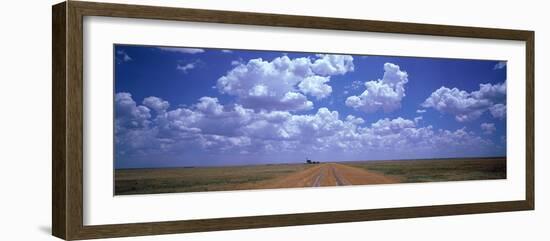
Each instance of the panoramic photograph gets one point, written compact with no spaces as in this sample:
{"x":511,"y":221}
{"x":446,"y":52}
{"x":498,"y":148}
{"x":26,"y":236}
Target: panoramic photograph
{"x":190,"y":119}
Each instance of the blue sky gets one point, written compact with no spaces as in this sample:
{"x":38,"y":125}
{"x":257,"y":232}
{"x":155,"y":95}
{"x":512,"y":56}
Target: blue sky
{"x":210,"y":107}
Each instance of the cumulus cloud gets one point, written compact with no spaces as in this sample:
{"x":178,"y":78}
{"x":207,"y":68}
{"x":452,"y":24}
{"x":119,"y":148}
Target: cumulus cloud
{"x":500,"y":65}
{"x":283,"y":83}
{"x":129,"y":114}
{"x":202,"y":120}
{"x":227,"y":51}
{"x":182,"y":50}
{"x":210,"y":127}
{"x":391,"y":126}
{"x":315,"y":86}
{"x":133,"y":127}
{"x":209,"y":105}
{"x":385,"y":93}
{"x":488,"y":128}
{"x":156,"y":104}
{"x":498,"y":111}
{"x":468,"y":106}
{"x":457,"y":102}
{"x":496,"y":92}
{"x":332,"y":64}
{"x":354,"y":120}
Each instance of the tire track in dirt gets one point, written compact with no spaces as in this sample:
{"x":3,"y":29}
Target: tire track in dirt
{"x":340,"y":181}
{"x":319,"y":178}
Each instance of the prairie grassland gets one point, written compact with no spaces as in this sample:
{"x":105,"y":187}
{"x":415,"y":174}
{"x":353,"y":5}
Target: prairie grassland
{"x":198,"y":179}
{"x":434,"y":170}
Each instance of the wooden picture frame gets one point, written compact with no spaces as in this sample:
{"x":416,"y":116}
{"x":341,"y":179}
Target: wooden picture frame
{"x":67,"y":124}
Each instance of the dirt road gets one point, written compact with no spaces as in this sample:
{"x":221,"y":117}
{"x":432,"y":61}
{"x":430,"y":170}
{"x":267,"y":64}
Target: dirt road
{"x":328,"y":174}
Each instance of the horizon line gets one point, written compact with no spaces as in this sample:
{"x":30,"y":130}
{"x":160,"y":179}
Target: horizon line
{"x":321,"y":162}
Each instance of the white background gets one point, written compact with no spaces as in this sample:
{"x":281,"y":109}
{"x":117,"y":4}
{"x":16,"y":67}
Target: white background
{"x":25,"y":126}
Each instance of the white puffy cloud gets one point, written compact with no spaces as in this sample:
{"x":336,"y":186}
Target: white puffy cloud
{"x":293,"y":128}
{"x":315,"y":86}
{"x":404,"y":137}
{"x":498,"y":111}
{"x":332,"y":64}
{"x":261,"y":83}
{"x":219,"y":143}
{"x":283,"y":83}
{"x":457,"y":102}
{"x":209,"y":105}
{"x":385,"y":93}
{"x":495,"y":93}
{"x":355,"y":120}
{"x":133,"y":127}
{"x":156,"y":104}
{"x":468,"y":106}
{"x":209,"y":127}
{"x":129,"y":114}
{"x":488,"y":128}
{"x":182,"y":50}
{"x":461,"y":139}
{"x":291,"y":101}
{"x":391,"y":126}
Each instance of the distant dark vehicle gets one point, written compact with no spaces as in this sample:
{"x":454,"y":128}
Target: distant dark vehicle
{"x":308,"y":161}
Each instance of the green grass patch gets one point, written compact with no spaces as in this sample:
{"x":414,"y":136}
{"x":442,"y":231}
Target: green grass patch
{"x":169,"y":180}
{"x":409,"y":171}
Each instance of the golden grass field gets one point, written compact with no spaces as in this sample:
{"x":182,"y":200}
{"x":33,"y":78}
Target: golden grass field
{"x":200,"y":179}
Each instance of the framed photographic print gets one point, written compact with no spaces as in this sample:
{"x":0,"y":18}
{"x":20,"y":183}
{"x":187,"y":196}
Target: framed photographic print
{"x":171,"y":120}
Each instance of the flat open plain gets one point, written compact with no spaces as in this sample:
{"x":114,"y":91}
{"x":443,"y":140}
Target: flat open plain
{"x":199,"y":179}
